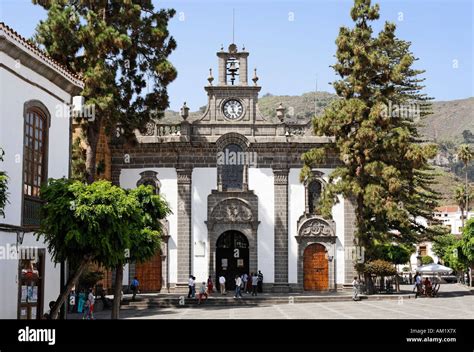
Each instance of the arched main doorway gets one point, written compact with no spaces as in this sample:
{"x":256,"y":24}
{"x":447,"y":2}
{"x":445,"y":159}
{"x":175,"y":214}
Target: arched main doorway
{"x":315,"y":268}
{"x":149,"y":274}
{"x":232,"y":257}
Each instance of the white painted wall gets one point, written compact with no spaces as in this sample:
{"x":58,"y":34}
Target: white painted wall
{"x":296,"y":207}
{"x":261,"y":182}
{"x":169,"y":190}
{"x":203,"y":181}
{"x":14,"y":93}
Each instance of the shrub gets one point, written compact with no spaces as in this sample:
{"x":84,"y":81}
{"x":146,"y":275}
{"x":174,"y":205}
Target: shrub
{"x":426,"y":259}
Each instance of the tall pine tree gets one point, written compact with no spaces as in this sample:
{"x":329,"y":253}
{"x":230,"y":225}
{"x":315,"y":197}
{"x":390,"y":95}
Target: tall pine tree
{"x":121,"y":49}
{"x":384,"y":168}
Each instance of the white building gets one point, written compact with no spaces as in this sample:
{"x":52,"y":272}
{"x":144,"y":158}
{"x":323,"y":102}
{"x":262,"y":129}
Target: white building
{"x":35,"y":96}
{"x":450,"y":216}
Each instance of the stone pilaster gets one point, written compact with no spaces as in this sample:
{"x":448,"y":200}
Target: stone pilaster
{"x":184,"y":225}
{"x":349,"y":245}
{"x":281,"y":229}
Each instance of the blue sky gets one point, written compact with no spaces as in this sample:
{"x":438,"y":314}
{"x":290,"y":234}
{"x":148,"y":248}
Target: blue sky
{"x":291,"y":43}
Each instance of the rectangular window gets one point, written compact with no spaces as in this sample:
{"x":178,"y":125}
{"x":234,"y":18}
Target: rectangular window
{"x":34,"y":156}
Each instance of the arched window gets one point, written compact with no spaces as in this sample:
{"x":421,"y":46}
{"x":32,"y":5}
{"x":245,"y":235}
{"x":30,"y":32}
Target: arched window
{"x":34,"y":160}
{"x":149,"y":178}
{"x":232,"y":167}
{"x":314,"y":197}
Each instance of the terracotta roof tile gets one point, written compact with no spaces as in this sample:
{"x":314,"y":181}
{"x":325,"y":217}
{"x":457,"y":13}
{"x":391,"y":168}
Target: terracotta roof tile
{"x":44,"y":56}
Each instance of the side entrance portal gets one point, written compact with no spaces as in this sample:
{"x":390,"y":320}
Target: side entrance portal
{"x":232,"y":257}
{"x":315,"y":268}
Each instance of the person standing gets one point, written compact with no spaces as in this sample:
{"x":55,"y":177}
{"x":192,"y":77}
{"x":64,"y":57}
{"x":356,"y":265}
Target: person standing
{"x":91,"y":300}
{"x":210,"y":285}
{"x":245,"y":278}
{"x":202,"y":293}
{"x":418,"y":285}
{"x":355,"y":289}
{"x":238,"y":283}
{"x":222,"y":284}
{"x":260,"y":282}
{"x":191,"y":286}
{"x":254,"y":284}
{"x":134,"y":287}
{"x":81,"y":301}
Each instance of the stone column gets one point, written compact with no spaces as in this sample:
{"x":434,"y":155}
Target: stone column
{"x":222,"y":73}
{"x":281,"y":230}
{"x":243,"y":70}
{"x":184,"y":225}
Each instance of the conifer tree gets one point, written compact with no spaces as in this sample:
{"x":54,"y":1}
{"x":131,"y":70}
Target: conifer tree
{"x":384,"y":169}
{"x":121,"y":49}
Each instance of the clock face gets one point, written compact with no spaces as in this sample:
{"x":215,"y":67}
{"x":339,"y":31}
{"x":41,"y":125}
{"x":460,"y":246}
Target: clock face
{"x":233,"y":109}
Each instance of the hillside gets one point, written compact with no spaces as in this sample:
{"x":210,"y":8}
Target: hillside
{"x":445,"y":127}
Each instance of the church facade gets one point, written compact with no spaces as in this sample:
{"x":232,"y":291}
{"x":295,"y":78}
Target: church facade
{"x":231,"y":178}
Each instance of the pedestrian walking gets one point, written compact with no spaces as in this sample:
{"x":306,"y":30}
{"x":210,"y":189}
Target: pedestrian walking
{"x":134,"y":287}
{"x":260,"y":282}
{"x":222,"y":284}
{"x":254,"y":284}
{"x":238,"y":284}
{"x":355,"y":289}
{"x":191,"y":284}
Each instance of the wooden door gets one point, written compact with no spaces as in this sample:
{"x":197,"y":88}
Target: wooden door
{"x":149,"y":274}
{"x":315,"y":268}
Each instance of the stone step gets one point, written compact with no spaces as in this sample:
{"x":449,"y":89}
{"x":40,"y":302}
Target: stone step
{"x":176,"y":302}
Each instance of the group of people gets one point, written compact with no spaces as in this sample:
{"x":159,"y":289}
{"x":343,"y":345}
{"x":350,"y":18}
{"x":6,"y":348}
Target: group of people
{"x":252,"y":283}
{"x":422,"y":287}
{"x":248,"y":283}
{"x":85,"y":303}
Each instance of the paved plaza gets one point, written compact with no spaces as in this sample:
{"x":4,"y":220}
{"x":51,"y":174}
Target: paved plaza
{"x":455,"y":302}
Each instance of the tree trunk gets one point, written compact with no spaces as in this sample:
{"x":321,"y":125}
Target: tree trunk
{"x":462,"y":217}
{"x":91,"y":151}
{"x":70,"y":284}
{"x":117,"y":292}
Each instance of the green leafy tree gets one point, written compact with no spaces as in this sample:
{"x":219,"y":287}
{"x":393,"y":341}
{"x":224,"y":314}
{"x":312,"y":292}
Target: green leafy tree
{"x":97,"y":223}
{"x":3,"y":186}
{"x":384,"y":167}
{"x":426,"y":259}
{"x":120,"y":48}
{"x":467,"y":246}
{"x":395,"y":254}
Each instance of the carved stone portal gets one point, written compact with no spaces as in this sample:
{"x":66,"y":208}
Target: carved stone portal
{"x":232,"y":210}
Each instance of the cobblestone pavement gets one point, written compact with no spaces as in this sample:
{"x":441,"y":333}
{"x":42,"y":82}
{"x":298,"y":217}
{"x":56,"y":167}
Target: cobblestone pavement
{"x":455,"y":302}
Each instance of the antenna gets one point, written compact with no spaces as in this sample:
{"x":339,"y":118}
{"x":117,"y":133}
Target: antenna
{"x":233,"y":26}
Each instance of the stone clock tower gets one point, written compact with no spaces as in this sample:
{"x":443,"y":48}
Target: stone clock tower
{"x":232,"y":100}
